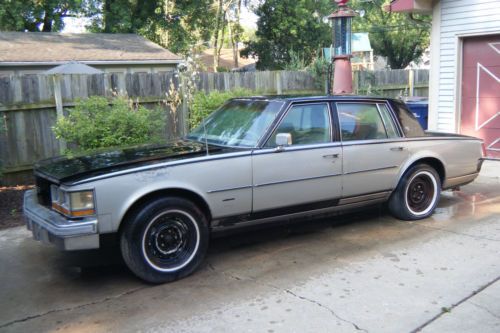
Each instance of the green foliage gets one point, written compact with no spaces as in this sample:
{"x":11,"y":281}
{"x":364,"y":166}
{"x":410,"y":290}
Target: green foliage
{"x":204,"y":104}
{"x":35,"y":15}
{"x":286,"y":25}
{"x":296,"y":62}
{"x":177,"y":25}
{"x":399,"y":37}
{"x":96,"y":123}
{"x":319,"y":70}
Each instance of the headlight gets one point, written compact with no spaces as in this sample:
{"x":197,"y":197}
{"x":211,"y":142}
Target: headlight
{"x":73,"y":204}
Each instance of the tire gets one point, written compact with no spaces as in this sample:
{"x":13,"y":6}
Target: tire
{"x":165,"y":239}
{"x":417,"y":193}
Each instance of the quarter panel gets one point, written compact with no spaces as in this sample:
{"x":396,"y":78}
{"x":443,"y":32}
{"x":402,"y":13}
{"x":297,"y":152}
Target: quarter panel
{"x":224,"y":184}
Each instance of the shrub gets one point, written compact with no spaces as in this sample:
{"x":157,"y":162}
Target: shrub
{"x":97,"y":123}
{"x":204,"y":104}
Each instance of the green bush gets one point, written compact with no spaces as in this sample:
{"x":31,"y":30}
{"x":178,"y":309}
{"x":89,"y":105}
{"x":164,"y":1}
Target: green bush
{"x":97,"y":122}
{"x":204,"y":104}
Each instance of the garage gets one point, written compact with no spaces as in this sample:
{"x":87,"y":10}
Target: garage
{"x":480,"y":104}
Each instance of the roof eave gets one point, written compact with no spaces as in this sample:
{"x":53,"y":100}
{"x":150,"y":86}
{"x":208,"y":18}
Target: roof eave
{"x":92,"y":62}
{"x":409,"y":6}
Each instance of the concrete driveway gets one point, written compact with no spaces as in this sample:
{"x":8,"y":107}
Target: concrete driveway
{"x":366,"y":272}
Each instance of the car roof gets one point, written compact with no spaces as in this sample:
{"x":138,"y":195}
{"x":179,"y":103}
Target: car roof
{"x":300,"y":98}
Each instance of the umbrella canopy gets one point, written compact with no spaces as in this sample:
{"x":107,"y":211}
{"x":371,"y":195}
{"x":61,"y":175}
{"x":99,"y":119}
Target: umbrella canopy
{"x":73,"y":67}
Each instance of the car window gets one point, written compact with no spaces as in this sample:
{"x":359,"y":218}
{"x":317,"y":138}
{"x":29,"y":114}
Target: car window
{"x":360,"y":121}
{"x":390,"y":127}
{"x":308,"y":124}
{"x":410,"y":125}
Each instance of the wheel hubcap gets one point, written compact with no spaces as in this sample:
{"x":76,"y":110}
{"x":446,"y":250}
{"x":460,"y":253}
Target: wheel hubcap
{"x":170,"y":240}
{"x":420,"y":193}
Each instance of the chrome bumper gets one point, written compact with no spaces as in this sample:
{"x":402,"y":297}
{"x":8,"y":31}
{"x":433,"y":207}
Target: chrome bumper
{"x":49,"y":226}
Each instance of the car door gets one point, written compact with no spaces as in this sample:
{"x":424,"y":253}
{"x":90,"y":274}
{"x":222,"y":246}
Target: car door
{"x":305,"y":174}
{"x":373,"y":149}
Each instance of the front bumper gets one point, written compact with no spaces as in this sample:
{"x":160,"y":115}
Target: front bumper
{"x":49,"y":226}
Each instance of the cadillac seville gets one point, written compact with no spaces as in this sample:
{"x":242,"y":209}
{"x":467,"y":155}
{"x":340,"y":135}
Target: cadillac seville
{"x":253,"y":161}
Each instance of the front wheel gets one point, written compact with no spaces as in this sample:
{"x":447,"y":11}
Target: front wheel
{"x":417,"y":193}
{"x":165,"y":239}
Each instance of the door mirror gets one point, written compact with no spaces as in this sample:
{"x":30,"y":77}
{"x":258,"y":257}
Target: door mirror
{"x":283,"y":139}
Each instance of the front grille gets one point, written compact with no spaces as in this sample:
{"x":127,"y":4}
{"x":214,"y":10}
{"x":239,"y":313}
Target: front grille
{"x":43,"y":191}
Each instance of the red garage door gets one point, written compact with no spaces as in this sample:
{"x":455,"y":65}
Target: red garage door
{"x":480,"y":114}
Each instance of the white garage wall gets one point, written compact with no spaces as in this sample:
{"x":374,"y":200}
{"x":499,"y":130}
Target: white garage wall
{"x":453,"y":20}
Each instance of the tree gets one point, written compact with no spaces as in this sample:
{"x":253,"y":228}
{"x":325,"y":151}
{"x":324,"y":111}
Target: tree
{"x":402,"y":38}
{"x":175,"y":24}
{"x":286,"y":26}
{"x":39,"y":15}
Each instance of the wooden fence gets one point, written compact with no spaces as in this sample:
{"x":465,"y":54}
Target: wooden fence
{"x":392,"y":83}
{"x":28,"y":111}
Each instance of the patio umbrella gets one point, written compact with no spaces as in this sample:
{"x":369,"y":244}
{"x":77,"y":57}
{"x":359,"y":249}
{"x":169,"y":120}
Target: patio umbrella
{"x":72,"y":67}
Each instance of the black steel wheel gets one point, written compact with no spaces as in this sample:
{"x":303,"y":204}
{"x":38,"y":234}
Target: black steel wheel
{"x":165,"y":239}
{"x":417,"y":193}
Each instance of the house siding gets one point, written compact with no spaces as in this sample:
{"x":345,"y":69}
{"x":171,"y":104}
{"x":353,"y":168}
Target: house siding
{"x":456,"y":19}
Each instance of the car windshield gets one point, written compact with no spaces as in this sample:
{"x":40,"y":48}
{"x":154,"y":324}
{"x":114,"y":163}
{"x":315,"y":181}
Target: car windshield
{"x":238,"y":123}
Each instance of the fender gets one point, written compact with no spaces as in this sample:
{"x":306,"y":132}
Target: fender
{"x":418,"y":156}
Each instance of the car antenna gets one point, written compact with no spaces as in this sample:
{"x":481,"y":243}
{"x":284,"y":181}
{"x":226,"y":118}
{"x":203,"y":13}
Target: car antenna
{"x":205,"y":135}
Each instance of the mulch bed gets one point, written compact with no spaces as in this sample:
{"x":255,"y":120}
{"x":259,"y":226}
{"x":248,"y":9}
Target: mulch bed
{"x":11,"y":205}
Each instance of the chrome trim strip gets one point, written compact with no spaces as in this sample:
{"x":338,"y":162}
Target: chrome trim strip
{"x":459,"y":180}
{"x":331,"y":209}
{"x":368,"y":170}
{"x":204,"y":158}
{"x":297,"y":180}
{"x":53,"y":222}
{"x":263,"y":151}
{"x":365,"y":197}
{"x":230,"y":189}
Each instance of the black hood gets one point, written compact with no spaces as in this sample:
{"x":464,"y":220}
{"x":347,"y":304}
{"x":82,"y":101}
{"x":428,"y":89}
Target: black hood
{"x":68,"y":169}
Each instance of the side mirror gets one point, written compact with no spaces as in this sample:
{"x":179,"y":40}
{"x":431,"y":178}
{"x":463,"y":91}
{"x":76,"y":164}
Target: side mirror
{"x":283,"y":139}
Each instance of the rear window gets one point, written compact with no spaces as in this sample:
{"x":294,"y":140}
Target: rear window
{"x":410,"y":125}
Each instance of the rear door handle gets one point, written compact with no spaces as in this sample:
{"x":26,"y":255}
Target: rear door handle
{"x":397,"y":148}
{"x":331,"y":156}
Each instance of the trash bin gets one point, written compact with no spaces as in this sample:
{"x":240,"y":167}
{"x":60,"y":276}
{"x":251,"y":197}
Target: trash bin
{"x":420,"y":109}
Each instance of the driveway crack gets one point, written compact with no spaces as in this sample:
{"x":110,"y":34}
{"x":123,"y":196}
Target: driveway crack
{"x":485,"y":309}
{"x":288,"y":291}
{"x":106,"y":299}
{"x":446,"y":310}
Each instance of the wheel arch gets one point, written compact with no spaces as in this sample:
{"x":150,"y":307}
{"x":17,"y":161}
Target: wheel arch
{"x":171,"y":192}
{"x":432,"y":161}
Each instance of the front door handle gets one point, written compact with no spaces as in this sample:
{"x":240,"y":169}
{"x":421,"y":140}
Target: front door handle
{"x":331,"y":156}
{"x":398,"y":148}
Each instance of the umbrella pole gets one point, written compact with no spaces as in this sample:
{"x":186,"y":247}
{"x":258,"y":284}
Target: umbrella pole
{"x":59,"y":107}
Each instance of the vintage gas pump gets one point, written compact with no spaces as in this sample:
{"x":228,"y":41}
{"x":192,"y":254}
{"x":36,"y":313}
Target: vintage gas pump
{"x":341,"y":57}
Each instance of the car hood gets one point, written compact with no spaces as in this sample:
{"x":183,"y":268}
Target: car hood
{"x":69,"y":169}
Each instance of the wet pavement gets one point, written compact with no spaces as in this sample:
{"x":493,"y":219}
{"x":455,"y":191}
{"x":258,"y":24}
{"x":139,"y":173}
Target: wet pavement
{"x":359,"y":272}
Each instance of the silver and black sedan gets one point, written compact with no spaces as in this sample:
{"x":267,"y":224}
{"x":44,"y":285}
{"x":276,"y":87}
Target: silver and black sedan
{"x":253,"y":161}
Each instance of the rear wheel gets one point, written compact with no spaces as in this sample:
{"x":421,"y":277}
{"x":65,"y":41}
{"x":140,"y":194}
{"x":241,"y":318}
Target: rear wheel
{"x":165,"y":239}
{"x":417,"y":193}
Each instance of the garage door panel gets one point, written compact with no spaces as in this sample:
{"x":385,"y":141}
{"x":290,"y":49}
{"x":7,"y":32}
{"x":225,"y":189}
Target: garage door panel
{"x":489,"y":46}
{"x":488,"y":81}
{"x":480,"y":100}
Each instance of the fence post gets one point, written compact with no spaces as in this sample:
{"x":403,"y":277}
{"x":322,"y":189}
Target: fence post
{"x":411,"y":83}
{"x":184,"y":116}
{"x":279,"y":89}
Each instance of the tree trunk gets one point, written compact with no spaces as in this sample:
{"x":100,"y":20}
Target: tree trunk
{"x":216,"y":34}
{"x":47,"y":21}
{"x":107,"y":16}
{"x":235,"y":37}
